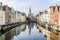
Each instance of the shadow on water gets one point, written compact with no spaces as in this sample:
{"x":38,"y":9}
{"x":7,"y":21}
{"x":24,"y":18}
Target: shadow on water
{"x":24,"y":32}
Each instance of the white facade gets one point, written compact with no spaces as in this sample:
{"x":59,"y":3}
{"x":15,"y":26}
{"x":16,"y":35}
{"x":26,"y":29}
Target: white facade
{"x":45,"y":17}
{"x":13,"y":18}
{"x":2,"y":17}
{"x":20,"y":17}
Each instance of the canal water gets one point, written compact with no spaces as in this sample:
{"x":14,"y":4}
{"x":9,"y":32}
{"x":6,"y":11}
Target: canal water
{"x":23,"y":32}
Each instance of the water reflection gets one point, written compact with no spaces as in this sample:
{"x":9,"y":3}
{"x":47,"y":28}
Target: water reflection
{"x":30,"y":25}
{"x":23,"y":32}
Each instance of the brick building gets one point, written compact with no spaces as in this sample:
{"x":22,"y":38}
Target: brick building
{"x":54,"y":15}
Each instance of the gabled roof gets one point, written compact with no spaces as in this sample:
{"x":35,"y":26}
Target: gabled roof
{"x":5,"y":6}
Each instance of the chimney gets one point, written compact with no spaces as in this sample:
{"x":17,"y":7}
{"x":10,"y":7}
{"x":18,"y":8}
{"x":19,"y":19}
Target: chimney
{"x":0,"y":5}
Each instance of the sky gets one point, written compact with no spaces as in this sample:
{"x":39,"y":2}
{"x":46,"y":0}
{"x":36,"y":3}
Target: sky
{"x":36,"y":5}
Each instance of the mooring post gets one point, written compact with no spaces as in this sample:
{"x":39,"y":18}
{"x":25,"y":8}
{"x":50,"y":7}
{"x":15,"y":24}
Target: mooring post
{"x":51,"y":28}
{"x":46,"y":27}
{"x":0,"y":29}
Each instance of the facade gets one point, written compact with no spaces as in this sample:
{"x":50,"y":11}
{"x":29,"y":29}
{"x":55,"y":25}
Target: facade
{"x":2,"y":17}
{"x":59,"y":15}
{"x":4,"y":14}
{"x":18,"y":14}
{"x":37,"y":17}
{"x":41,"y":16}
{"x":54,"y":15}
{"x":20,"y":17}
{"x":45,"y":17}
{"x":13,"y":17}
{"x":8,"y":15}
{"x":23,"y":17}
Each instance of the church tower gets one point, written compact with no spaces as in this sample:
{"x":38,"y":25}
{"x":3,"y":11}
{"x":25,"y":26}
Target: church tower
{"x":30,"y":10}
{"x":29,"y":14}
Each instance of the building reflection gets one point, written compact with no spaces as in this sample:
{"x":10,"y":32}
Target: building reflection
{"x":18,"y":30}
{"x":50,"y":35}
{"x":30,"y":25}
{"x":23,"y":27}
{"x":9,"y":35}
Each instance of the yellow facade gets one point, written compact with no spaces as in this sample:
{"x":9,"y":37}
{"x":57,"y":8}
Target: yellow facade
{"x":13,"y":17}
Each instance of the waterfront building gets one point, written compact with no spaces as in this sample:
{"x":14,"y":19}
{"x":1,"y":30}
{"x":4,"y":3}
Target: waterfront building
{"x":13,"y":16}
{"x":4,"y":14}
{"x":37,"y":17}
{"x":45,"y":17}
{"x":20,"y":16}
{"x":54,"y":15}
{"x":23,"y":17}
{"x":41,"y":16}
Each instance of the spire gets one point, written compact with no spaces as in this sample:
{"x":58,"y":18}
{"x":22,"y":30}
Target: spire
{"x":30,"y":10}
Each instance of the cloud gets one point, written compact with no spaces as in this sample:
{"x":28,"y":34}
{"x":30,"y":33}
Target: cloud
{"x":23,"y":5}
{"x":54,"y":1}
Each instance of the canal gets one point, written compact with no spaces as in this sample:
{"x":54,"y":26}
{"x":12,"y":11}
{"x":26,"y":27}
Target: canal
{"x":23,"y":32}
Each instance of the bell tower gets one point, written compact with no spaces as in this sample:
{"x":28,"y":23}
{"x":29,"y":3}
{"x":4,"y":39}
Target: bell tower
{"x":29,"y":12}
